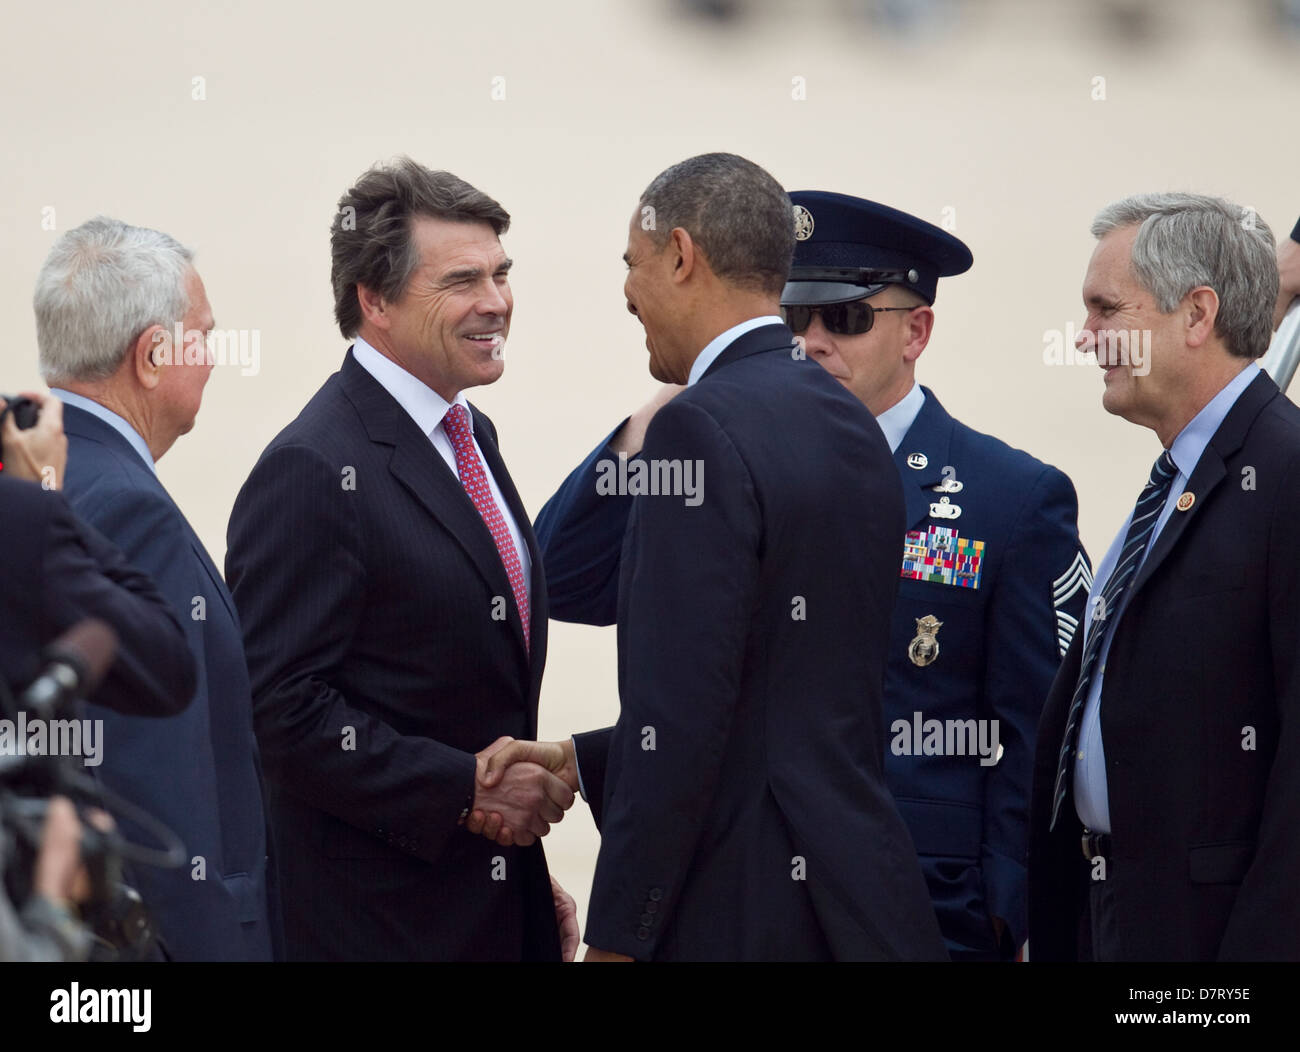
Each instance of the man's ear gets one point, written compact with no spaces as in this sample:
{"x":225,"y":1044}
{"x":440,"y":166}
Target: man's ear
{"x":683,"y":253}
{"x":920,"y":324}
{"x":1202,"y":307}
{"x":150,"y":354}
{"x":374,"y":308}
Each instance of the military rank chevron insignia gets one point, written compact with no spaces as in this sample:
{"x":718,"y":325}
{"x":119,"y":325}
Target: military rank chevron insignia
{"x":940,"y":555}
{"x":1076,"y":576}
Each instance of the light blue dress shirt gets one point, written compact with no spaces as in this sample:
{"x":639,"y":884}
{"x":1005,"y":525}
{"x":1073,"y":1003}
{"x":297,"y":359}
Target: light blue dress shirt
{"x":898,"y":419}
{"x":111,"y":419}
{"x":1091,"y":800}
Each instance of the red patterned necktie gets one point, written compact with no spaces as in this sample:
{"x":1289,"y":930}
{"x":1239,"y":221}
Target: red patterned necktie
{"x":475,"y":481}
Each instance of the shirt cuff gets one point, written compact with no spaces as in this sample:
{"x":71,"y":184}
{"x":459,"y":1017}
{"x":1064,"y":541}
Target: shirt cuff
{"x":582,"y":789}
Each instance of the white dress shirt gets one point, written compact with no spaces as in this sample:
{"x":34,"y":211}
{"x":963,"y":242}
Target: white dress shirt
{"x":427,"y":408}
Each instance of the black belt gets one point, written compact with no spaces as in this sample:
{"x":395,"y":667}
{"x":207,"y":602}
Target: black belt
{"x":1095,"y":845}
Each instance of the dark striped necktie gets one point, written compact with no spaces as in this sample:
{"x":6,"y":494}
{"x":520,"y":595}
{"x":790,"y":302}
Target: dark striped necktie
{"x":1146,"y":513}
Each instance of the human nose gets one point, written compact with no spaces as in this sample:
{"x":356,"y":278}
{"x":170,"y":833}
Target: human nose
{"x":497,"y":299}
{"x":817,"y":341}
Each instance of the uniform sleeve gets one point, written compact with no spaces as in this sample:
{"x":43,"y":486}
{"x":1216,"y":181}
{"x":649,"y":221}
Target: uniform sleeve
{"x":1039,"y":600}
{"x":153,"y":672}
{"x":296,"y":568}
{"x":580,"y":535}
{"x":694,"y":573}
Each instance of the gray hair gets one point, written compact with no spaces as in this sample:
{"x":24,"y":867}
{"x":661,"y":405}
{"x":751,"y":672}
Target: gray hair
{"x":370,"y":238}
{"x":736,"y":213}
{"x":101,"y":286}
{"x":1187,"y":240}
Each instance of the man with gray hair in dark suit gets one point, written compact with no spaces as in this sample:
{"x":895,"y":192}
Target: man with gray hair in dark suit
{"x":122,"y":319}
{"x":1167,"y":778}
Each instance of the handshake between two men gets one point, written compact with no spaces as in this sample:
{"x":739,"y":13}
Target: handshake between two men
{"x":520,"y":789}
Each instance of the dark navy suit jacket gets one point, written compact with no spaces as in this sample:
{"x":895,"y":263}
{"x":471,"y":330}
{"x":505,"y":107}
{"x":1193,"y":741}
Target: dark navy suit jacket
{"x":198,"y":771}
{"x":1200,"y":716}
{"x":367,"y":582}
{"x":57,"y":572}
{"x":743,"y":808}
{"x":999,"y":648}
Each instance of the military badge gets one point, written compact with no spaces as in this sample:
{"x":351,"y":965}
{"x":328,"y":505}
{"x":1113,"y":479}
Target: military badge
{"x":940,"y":555}
{"x":803,"y":223}
{"x":945,"y":509}
{"x":1077,"y":576}
{"x":917,"y":460}
{"x":924,"y":647}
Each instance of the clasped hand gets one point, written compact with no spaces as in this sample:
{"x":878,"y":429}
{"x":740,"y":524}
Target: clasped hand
{"x":520,"y":789}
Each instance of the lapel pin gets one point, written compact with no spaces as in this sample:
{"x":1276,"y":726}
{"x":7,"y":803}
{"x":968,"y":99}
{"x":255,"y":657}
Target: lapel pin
{"x":1186,"y":501}
{"x":917,"y":460}
{"x":948,"y":485}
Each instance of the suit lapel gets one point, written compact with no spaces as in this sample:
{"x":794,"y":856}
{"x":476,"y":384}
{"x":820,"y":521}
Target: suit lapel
{"x":927,"y":439}
{"x":1209,"y":471}
{"x":426,"y":476}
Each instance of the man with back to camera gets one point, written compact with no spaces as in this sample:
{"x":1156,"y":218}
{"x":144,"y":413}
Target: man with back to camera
{"x":741,"y":796}
{"x":993,"y":577}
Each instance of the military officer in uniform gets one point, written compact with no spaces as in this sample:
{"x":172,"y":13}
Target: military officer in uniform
{"x":992,"y":578}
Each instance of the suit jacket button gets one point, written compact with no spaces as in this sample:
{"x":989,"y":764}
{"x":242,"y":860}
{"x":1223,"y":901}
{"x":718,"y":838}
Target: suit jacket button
{"x":655,"y":894}
{"x":643,"y":933}
{"x":651,"y":907}
{"x":647,"y":919}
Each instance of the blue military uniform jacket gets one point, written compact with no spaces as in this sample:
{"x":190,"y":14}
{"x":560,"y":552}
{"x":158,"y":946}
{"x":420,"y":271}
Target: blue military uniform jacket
{"x":1000,"y":567}
{"x":996,"y":560}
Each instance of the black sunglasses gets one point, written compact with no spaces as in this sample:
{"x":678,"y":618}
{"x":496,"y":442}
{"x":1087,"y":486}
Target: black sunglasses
{"x":842,"y":319}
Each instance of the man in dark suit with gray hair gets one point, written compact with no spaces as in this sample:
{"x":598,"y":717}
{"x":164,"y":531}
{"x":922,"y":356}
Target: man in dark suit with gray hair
{"x":1167,"y":778}
{"x":122,"y":318}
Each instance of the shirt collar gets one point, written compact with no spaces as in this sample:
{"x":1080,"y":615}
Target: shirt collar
{"x":423,"y":404}
{"x":1192,"y":440}
{"x":721,"y":342}
{"x":117,"y":423}
{"x":898,"y":419}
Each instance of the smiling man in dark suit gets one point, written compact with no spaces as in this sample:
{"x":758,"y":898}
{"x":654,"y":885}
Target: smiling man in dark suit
{"x":741,"y":796}
{"x":394,"y":606}
{"x":1167,"y":778}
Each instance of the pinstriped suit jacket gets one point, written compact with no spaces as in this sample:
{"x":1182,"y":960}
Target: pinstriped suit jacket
{"x":367,"y":584}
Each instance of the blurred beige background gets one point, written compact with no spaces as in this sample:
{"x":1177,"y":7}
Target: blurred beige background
{"x":986,"y":109}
